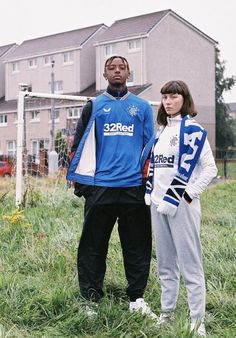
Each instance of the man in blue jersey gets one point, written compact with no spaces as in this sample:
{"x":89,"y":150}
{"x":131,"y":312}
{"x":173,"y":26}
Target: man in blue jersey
{"x":111,"y":146}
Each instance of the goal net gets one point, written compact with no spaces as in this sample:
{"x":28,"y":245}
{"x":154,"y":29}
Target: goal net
{"x":46,"y":126}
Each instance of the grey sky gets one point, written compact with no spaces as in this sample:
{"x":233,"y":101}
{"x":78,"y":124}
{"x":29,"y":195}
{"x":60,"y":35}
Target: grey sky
{"x":23,"y":20}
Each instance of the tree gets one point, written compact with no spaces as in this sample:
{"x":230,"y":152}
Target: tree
{"x":61,"y":148}
{"x":225,"y":129}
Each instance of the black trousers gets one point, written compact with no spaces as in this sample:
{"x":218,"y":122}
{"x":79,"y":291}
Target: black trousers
{"x":103,"y":207}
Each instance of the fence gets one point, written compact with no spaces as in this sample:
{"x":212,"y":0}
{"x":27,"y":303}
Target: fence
{"x":226,"y":163}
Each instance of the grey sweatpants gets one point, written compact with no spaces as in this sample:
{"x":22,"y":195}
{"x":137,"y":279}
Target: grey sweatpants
{"x":178,"y":251}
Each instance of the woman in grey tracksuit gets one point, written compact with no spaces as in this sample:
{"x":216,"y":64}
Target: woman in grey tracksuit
{"x":182,"y":165}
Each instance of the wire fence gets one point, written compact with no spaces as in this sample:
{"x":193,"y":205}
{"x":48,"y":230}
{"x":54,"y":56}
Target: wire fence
{"x":226,"y":163}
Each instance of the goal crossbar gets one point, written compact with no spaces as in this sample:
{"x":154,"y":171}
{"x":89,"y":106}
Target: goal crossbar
{"x":23,"y":94}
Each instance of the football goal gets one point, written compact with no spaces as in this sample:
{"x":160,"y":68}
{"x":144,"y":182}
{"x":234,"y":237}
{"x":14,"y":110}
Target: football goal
{"x":46,"y":125}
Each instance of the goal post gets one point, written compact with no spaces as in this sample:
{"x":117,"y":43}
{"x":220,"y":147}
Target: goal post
{"x":32,"y":103}
{"x":45,"y":129}
{"x":19,"y":146}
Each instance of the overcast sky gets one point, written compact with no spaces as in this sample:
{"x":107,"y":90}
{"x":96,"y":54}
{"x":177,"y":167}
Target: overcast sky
{"x":24,"y":20}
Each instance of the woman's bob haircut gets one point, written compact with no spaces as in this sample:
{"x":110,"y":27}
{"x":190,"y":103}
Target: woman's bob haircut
{"x":176,"y":87}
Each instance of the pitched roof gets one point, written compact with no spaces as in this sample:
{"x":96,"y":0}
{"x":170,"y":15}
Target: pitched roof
{"x":133,"y":26}
{"x":6,"y":48}
{"x":51,"y":43}
{"x":140,"y":25}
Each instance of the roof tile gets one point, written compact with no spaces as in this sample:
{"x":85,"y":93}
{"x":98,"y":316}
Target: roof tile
{"x":133,"y":26}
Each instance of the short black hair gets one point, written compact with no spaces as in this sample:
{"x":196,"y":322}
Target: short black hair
{"x":110,"y":59}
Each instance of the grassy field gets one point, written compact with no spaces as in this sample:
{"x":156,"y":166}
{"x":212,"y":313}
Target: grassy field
{"x":39,"y":294}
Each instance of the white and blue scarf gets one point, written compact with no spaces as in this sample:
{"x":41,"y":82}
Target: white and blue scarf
{"x":192,"y":138}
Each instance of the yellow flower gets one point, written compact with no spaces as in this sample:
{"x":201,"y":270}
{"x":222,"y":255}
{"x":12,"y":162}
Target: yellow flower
{"x":15,"y":218}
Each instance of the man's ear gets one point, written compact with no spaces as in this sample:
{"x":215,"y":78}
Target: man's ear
{"x":104,"y":75}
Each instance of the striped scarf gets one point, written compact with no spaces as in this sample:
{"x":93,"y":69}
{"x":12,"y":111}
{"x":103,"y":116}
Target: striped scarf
{"x":192,"y":138}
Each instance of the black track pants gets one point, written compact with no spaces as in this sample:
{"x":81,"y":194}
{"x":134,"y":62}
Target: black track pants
{"x":134,"y":227}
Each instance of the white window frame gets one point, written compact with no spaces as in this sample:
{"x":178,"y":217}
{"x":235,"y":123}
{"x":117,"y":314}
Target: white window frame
{"x":134,"y":45}
{"x":15,"y":67}
{"x":58,"y":87}
{"x":35,"y":146}
{"x":3,"y":120}
{"x":11,"y":148}
{"x":35,"y":116}
{"x":68,"y":58}
{"x":74,"y":112}
{"x":130,"y":80}
{"x":47,"y":60}
{"x":56,"y":114}
{"x":32,"y":63}
{"x":109,"y":50}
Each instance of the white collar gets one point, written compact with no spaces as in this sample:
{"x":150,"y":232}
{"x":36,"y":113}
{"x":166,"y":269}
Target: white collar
{"x":173,"y":121}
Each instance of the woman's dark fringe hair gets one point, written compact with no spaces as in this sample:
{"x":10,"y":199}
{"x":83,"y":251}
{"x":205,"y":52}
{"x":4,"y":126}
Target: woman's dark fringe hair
{"x":176,"y":87}
{"x":110,"y":59}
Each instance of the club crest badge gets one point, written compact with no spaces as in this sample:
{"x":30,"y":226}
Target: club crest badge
{"x":173,"y":141}
{"x":133,"y":110}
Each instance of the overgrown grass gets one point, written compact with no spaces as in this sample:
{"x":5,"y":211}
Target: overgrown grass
{"x":39,"y":294}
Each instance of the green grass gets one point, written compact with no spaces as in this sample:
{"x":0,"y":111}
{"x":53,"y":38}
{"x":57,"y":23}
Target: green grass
{"x":39,"y":295}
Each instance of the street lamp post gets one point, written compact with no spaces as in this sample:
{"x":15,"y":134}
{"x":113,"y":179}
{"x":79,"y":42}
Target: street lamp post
{"x":53,"y":156}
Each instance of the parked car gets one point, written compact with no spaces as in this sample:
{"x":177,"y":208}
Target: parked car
{"x":5,"y":169}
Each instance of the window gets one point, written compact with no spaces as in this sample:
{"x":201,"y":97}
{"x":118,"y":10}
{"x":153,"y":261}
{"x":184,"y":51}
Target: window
{"x":35,"y":116}
{"x":35,"y":147}
{"x":38,"y":145}
{"x":3,"y":120}
{"x":48,"y":60}
{"x":109,"y":50}
{"x":134,"y":45}
{"x":74,"y":112}
{"x":15,"y":67}
{"x":56,"y":115}
{"x":130,"y":80}
{"x":67,"y":57}
{"x":58,"y":87}
{"x":32,"y":63}
{"x":11,"y":148}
